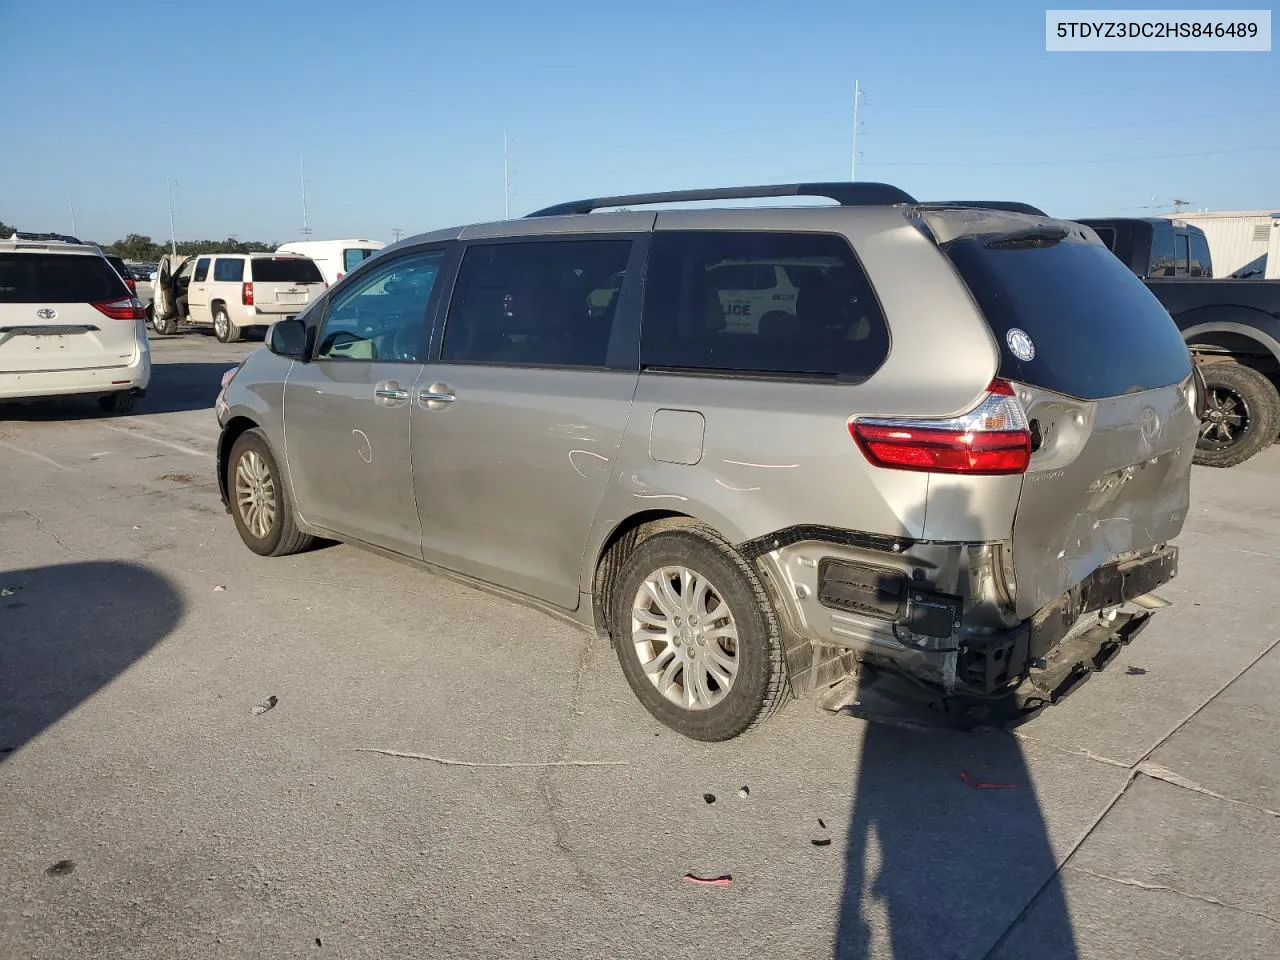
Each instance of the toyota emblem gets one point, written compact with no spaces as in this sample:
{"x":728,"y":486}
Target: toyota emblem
{"x":44,"y":313}
{"x":1149,"y":423}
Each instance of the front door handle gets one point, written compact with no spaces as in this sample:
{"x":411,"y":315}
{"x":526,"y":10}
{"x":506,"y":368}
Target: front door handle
{"x":437,"y":395}
{"x":389,"y":392}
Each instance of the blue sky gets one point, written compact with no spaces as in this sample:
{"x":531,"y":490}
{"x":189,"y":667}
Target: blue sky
{"x":399,"y":109}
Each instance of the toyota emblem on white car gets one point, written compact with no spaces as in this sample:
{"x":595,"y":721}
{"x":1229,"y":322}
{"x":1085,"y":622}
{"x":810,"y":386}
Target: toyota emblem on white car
{"x":44,"y":313}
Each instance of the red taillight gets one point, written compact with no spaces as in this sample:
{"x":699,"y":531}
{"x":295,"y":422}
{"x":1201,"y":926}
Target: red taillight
{"x":992,"y":438}
{"x":246,"y":294}
{"x":132,"y":284}
{"x":127,"y":309}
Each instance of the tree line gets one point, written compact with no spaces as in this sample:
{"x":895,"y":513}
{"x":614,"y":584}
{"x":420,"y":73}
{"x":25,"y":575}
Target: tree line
{"x":141,"y":248}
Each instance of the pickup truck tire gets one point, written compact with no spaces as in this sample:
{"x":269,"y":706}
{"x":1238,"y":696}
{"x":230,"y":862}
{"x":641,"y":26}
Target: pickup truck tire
{"x":260,"y":504}
{"x":223,"y":328}
{"x":1243,"y":415}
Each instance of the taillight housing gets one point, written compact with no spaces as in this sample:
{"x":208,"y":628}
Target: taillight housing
{"x":246,"y":294}
{"x":992,"y":439}
{"x":132,"y":284}
{"x":127,"y":308}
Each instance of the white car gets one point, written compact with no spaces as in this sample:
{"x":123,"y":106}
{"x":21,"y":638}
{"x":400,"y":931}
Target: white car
{"x":69,"y":326}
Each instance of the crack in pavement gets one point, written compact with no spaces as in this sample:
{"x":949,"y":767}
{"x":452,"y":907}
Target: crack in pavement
{"x":1141,"y":885}
{"x":41,"y":528}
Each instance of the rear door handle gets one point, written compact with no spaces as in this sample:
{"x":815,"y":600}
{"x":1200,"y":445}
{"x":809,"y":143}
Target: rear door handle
{"x":436,"y":395}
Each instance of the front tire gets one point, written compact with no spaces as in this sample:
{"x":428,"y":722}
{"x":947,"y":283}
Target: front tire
{"x":260,"y":504}
{"x":697,"y":636}
{"x":223,"y":328}
{"x":1243,"y":414}
{"x":165,"y":326}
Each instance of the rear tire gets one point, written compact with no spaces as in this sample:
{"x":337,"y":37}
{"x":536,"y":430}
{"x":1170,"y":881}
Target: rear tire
{"x":223,"y":328}
{"x":1243,"y":415}
{"x":711,"y":629}
{"x":260,"y":503}
{"x":117,"y":404}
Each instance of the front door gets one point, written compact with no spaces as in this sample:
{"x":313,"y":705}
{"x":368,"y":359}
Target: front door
{"x":516,"y":430}
{"x":346,"y":411}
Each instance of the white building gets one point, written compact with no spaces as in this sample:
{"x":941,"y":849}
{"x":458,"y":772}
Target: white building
{"x":1239,"y":239}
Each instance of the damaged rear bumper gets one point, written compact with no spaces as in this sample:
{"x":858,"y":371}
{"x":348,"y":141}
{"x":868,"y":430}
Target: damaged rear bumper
{"x":935,"y":640}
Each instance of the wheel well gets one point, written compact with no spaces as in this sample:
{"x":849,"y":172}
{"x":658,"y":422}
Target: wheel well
{"x":1223,"y":345}
{"x":215,"y":304}
{"x":230,"y":434}
{"x":613,"y":554}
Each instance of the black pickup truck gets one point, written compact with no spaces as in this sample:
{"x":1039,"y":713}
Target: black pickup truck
{"x":1231,"y":326}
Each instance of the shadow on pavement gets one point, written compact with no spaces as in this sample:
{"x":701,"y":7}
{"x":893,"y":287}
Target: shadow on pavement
{"x":174,"y":387}
{"x":946,"y":845}
{"x":67,"y":631}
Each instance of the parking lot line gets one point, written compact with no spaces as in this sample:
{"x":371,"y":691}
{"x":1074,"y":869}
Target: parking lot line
{"x":180,"y":447}
{"x":36,"y":456}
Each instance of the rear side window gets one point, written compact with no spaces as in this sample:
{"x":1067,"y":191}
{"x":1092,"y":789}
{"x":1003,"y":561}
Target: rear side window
{"x":353,"y":258}
{"x":286,"y":270}
{"x":1162,"y":254}
{"x":228,"y":270}
{"x":202,"y":270}
{"x":760,"y":303}
{"x":58,"y":278}
{"x":1095,"y":330}
{"x":544,"y":303}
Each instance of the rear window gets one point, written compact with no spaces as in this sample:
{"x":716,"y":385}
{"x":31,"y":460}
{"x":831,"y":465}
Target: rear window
{"x":1095,"y":329}
{"x":228,"y":270}
{"x":58,"y":278}
{"x":286,"y":270}
{"x":353,"y":257}
{"x":714,"y":302}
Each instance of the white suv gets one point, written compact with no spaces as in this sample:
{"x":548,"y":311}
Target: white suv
{"x":68,"y":325}
{"x":233,"y":291}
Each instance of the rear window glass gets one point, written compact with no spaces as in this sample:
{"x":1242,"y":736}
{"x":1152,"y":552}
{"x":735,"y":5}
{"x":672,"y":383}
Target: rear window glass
{"x":352,"y":258}
{"x":760,"y":303}
{"x":229,"y":270}
{"x":286,"y":270}
{"x":58,"y":278}
{"x":1095,"y":328}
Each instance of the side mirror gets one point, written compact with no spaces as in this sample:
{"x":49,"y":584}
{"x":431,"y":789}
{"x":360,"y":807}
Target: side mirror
{"x":288,"y":338}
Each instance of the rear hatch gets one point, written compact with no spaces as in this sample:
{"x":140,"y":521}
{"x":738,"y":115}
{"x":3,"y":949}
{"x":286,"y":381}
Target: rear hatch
{"x":48,"y":320}
{"x":285,"y":284}
{"x":1105,"y":380}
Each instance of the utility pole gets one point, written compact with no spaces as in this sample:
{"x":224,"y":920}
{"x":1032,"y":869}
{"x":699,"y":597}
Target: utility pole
{"x":173,"y":236}
{"x":857,"y":107}
{"x":506,"y":177}
{"x":72,"y":206}
{"x":1179,"y":204}
{"x":396,"y":234}
{"x":306,"y":226}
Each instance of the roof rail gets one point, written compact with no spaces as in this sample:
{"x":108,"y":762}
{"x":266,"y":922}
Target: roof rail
{"x":1010,"y":206}
{"x":862,"y":193}
{"x":24,"y":235}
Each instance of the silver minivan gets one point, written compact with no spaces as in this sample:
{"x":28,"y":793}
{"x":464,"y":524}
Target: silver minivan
{"x":761,"y":451}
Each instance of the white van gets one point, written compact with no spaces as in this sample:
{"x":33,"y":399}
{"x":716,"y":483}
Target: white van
{"x":335,"y":258}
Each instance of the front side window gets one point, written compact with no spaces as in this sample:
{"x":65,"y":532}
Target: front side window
{"x":542,"y":303}
{"x":228,"y":270}
{"x":794,"y":304}
{"x":1201,"y":265}
{"x":202,"y":270}
{"x":384,"y":316}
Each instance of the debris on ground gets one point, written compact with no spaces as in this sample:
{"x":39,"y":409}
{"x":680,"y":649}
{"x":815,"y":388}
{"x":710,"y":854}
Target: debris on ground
{"x":723,"y":881}
{"x":822,"y":823}
{"x":319,"y":942}
{"x":1135,"y":672}
{"x":61,"y":868}
{"x":821,"y":842}
{"x":265,"y":705}
{"x":220,"y":588}
{"x":983,"y":784}
{"x":744,"y":792}
{"x":709,"y":797}
{"x":8,"y":591}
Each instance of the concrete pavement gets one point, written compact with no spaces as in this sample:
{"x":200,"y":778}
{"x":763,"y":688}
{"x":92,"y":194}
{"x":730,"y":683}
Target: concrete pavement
{"x":1136,"y":820}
